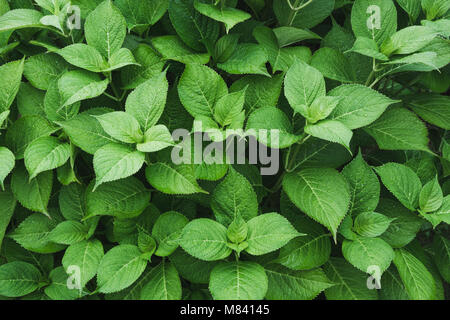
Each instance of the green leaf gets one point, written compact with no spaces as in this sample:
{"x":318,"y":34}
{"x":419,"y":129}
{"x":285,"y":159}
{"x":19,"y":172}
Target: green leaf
{"x":418,"y":281}
{"x":290,"y":35}
{"x":3,"y":116}
{"x":263,"y":120}
{"x":11,"y":74}
{"x":121,"y":58}
{"x":105,"y":29}
{"x":441,"y":247}
{"x":125,"y":198}
{"x":172,"y":48}
{"x":371,"y":224}
{"x":54,"y":107}
{"x":86,"y":255}
{"x":399,"y":129}
{"x":333,"y":65}
{"x":359,"y":105}
{"x":241,"y":280}
{"x":199,"y":89}
{"x":141,"y":13}
{"x":225,"y":47}
{"x":163,"y":283}
{"x":42,"y":69}
{"x":177,"y":179}
{"x":121,"y":126}
{"x":368,"y":47}
{"x":310,"y":14}
{"x":80,"y":85}
{"x":115,"y":161}
{"x":205,"y":239}
{"x":83,"y":56}
{"x":18,"y":279}
{"x":248,"y":58}
{"x":86,"y":132}
{"x":195,"y":29}
{"x":33,"y":234}
{"x":146,"y":103}
{"x":331,"y":130}
{"x":402,"y":182}
{"x":364,"y":253}
{"x":323,"y":194}
{"x":7,"y":163}
{"x":45,"y":153}
{"x":303,"y":84}
{"x":72,"y":201}
{"x":58,"y":289}
{"x":351,"y":284}
{"x":411,"y":7}
{"x":285,"y":284}
{"x":20,"y":19}
{"x":69,"y":232}
{"x":237,"y":231}
{"x":434,"y":109}
{"x":431,"y":196}
{"x":408,"y":40}
{"x":119,"y":268}
{"x":435,"y":8}
{"x":6,"y":212}
{"x":234,"y":197}
{"x":155,"y":139}
{"x":364,"y":186}
{"x":167,"y":230}
{"x":32,"y":194}
{"x":229,"y":107}
{"x":374,"y":21}
{"x":320,"y":108}
{"x":229,"y":16}
{"x":269,"y":232}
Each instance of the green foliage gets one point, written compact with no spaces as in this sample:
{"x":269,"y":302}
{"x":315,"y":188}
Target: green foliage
{"x":114,"y":183}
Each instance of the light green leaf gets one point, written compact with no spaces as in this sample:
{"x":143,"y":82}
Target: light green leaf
{"x":431,"y":196}
{"x":435,"y":8}
{"x":248,"y":58}
{"x":237,"y":231}
{"x":399,"y":129}
{"x":7,"y":163}
{"x":121,"y":58}
{"x":86,"y":255}
{"x":377,"y":21}
{"x":167,"y":230}
{"x":42,"y":69}
{"x":83,"y":56}
{"x":359,"y":105}
{"x":368,"y":47}
{"x":172,"y":48}
{"x":18,"y":279}
{"x":371,"y":224}
{"x":45,"y":153}
{"x":121,"y":126}
{"x":241,"y":280}
{"x":54,"y":107}
{"x":20,"y":19}
{"x":72,"y":201}
{"x":290,"y":35}
{"x":234,"y":197}
{"x":80,"y":85}
{"x":333,"y":65}
{"x":177,"y":179}
{"x":433,"y":108}
{"x":351,"y":284}
{"x":126,"y":198}
{"x":311,"y":13}
{"x":205,"y":239}
{"x":229,"y":107}
{"x":303,"y":84}
{"x":269,"y":232}
{"x":323,"y":194}
{"x":320,"y":108}
{"x":163,"y":283}
{"x":408,"y":40}
{"x":69,"y":232}
{"x":142,"y":13}
{"x":6,"y":212}
{"x":225,"y":47}
{"x":331,"y":130}
{"x":115,"y":161}
{"x":418,"y":281}
{"x":364,"y":253}
{"x":199,"y":89}
{"x":364,"y":186}
{"x":105,"y":29}
{"x":11,"y":74}
{"x":58,"y":289}
{"x":402,"y":182}
{"x":156,"y":138}
{"x":32,"y":194}
{"x":411,"y":7}
{"x":228,"y":15}
{"x":146,"y":103}
{"x":120,"y":268}
{"x":285,"y":284}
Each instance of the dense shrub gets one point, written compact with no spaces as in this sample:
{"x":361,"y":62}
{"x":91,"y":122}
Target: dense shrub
{"x":100,"y":200}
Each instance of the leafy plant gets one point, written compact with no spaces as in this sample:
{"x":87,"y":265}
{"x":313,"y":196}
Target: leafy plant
{"x":93,"y":204}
